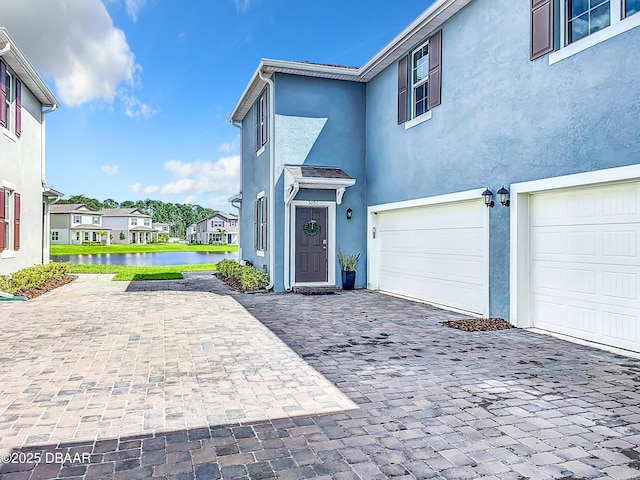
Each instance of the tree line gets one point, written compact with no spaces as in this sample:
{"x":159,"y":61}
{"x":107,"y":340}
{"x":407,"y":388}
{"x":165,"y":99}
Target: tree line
{"x":178,"y":215}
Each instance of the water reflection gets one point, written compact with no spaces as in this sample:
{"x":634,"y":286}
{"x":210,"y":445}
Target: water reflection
{"x":147,"y":259}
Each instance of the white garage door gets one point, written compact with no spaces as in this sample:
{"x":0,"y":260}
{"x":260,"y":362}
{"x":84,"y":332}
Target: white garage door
{"x":435,"y":253}
{"x":585,"y":263}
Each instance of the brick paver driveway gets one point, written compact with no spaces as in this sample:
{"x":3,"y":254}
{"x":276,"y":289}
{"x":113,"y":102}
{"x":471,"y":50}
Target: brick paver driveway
{"x":186,"y":379}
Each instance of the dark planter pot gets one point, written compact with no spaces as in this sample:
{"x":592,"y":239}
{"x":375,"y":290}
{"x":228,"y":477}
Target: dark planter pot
{"x":348,"y":280}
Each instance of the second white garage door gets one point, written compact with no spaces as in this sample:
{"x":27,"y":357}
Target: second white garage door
{"x":435,"y":253}
{"x":585,"y":263}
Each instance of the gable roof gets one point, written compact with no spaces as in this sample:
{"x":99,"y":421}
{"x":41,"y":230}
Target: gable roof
{"x":72,"y":208}
{"x":423,"y":26}
{"x":123,"y":212}
{"x":25,"y":71}
{"x":228,"y":216}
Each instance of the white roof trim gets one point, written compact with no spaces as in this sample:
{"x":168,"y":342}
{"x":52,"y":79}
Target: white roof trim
{"x":292,"y":184}
{"x":424,"y":25}
{"x":16,"y":60}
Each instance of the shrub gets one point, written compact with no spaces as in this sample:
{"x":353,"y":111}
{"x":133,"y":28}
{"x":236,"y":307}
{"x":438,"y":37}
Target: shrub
{"x":245,"y":278}
{"x":33,"y":277}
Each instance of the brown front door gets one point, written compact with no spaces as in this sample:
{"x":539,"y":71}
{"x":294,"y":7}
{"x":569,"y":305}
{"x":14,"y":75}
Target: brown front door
{"x":311,"y":245}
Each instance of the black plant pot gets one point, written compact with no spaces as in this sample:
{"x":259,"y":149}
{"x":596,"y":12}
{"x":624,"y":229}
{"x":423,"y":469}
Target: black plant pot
{"x":348,"y":280}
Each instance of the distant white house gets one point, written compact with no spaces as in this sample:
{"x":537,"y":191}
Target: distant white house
{"x":221,"y":228}
{"x":162,"y":228}
{"x":75,"y":223}
{"x":24,"y":197}
{"x":129,"y":225}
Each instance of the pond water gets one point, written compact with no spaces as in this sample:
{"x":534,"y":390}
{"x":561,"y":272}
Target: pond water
{"x":146,"y":259}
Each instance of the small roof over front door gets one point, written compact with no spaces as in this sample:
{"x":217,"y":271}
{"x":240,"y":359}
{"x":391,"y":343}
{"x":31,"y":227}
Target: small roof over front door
{"x":303,"y":176}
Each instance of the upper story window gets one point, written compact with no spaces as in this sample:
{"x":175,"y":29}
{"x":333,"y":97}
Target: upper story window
{"x":582,"y":24}
{"x":217,"y":223}
{"x":631,"y":7}
{"x":96,"y":220}
{"x":134,"y":221}
{"x":419,"y":81}
{"x":233,"y":223}
{"x":10,"y":101}
{"x":147,"y":222}
{"x":77,"y":219}
{"x":261,"y":120}
{"x":585,"y":17}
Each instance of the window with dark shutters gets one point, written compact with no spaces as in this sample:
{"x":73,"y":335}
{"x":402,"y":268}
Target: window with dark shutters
{"x":402,"y":89}
{"x":435,"y":70}
{"x":256,"y":231}
{"x":18,"y":108}
{"x":541,"y":28}
{"x":263,"y":227}
{"x":16,"y":221}
{"x":3,"y":94}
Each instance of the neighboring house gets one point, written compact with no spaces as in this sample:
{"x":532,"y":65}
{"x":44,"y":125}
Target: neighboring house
{"x":221,"y":228}
{"x":192,"y":233}
{"x":24,"y":198}
{"x":75,"y":223}
{"x":162,"y":228}
{"x":129,"y":225}
{"x":545,"y":104}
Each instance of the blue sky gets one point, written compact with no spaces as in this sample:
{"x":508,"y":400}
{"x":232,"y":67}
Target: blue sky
{"x":146,"y":86}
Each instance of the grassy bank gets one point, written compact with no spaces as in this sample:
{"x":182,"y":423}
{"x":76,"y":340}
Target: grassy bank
{"x":124,"y":272}
{"x":137,"y":248}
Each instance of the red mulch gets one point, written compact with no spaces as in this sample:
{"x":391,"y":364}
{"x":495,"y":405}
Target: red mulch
{"x":479,"y":324}
{"x":45,"y":287}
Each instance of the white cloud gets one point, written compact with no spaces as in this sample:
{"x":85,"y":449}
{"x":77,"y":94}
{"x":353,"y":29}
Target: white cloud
{"x":138,"y":188}
{"x":135,"y":108}
{"x":109,"y":169}
{"x":76,"y":44}
{"x":242,"y":5}
{"x":225,"y":147}
{"x":134,"y":7}
{"x":190,"y":200}
{"x":220,"y":177}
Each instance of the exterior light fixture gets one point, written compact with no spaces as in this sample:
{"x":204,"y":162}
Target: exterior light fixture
{"x":487,"y":196}
{"x":349,"y":213}
{"x":503,"y":196}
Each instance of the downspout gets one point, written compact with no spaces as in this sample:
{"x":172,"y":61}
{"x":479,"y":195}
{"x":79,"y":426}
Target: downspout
{"x":239,"y":127}
{"x":272,"y":187}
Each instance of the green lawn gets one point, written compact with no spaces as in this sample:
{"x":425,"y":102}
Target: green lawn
{"x":137,"y":248}
{"x":124,"y":272}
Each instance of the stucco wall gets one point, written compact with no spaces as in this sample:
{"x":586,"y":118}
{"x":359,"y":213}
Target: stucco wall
{"x":322,"y":122}
{"x":20,"y":165}
{"x":505,"y":119}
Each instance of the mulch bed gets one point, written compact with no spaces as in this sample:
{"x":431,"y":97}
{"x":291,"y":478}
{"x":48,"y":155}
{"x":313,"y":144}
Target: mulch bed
{"x":479,"y":324}
{"x":234,"y":283}
{"x":45,"y":287}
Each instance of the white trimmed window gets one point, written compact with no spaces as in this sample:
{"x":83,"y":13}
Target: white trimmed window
{"x":261,"y":120}
{"x":420,"y":80}
{"x":8,"y":99}
{"x":147,"y":222}
{"x":260,"y":224}
{"x":77,"y":219}
{"x":134,"y":221}
{"x":96,"y":220}
{"x":217,"y":223}
{"x":55,"y":236}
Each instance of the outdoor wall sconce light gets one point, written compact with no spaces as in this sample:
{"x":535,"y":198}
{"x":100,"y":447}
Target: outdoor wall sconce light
{"x":503,"y":196}
{"x":349,"y":213}
{"x":487,"y":196}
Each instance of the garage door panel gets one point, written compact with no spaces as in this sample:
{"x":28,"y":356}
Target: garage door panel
{"x":585,"y":263}
{"x":435,"y":254}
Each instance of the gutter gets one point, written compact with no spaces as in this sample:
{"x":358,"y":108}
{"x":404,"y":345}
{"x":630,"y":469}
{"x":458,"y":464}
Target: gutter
{"x":272,"y":158}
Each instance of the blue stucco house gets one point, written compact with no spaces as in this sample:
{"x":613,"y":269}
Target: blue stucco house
{"x":537,"y":98}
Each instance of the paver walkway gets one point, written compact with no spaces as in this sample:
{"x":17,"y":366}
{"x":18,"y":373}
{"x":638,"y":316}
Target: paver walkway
{"x":187,"y":379}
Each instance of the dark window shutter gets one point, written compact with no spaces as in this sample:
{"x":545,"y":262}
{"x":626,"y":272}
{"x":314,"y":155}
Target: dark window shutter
{"x":3,"y":94}
{"x":435,"y":69}
{"x":18,"y":108}
{"x":541,"y":28}
{"x":16,"y":221}
{"x":256,"y":231}
{"x":257,"y":132}
{"x":2,"y":219}
{"x":402,"y":89}
{"x":263,"y":229}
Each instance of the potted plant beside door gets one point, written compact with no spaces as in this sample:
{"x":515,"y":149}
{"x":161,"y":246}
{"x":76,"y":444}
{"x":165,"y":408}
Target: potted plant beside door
{"x":348,"y":266}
